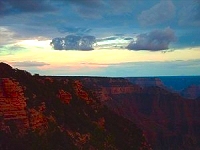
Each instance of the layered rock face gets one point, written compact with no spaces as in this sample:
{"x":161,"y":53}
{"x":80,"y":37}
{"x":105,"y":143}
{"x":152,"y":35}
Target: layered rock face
{"x":47,"y":113}
{"x":168,"y":120}
{"x":13,"y":105}
{"x":39,"y":112}
{"x":15,"y":115}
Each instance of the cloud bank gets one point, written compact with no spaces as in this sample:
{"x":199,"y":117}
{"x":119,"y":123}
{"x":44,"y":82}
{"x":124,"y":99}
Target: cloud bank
{"x":7,"y":35}
{"x":74,"y":42}
{"x":153,"y":41}
{"x":99,"y":8}
{"x":29,"y":64}
{"x":77,"y":30}
{"x":190,"y":14}
{"x":20,"y":6}
{"x":161,"y":12}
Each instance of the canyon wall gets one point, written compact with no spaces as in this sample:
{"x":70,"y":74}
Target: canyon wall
{"x":38,"y":112}
{"x":168,"y":120}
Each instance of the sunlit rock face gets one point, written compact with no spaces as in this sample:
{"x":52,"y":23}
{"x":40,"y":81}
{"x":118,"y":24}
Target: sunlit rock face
{"x":13,"y":104}
{"x":59,"y":113}
{"x":15,"y":115}
{"x":64,"y":96}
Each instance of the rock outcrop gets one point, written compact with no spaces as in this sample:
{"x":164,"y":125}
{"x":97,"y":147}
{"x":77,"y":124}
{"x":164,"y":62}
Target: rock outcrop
{"x":39,"y":112}
{"x":168,"y":120}
{"x":59,"y":113}
{"x":13,"y":105}
{"x":187,"y":87}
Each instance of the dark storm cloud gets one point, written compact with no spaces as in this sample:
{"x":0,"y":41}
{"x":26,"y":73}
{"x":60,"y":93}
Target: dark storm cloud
{"x":79,"y":17}
{"x":77,"y":30}
{"x":153,"y":41}
{"x":161,"y":12}
{"x":74,"y":42}
{"x":20,"y":6}
{"x":85,"y":8}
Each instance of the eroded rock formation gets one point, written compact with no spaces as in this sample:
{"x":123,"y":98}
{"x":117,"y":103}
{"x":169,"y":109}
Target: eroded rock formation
{"x":54,"y":113}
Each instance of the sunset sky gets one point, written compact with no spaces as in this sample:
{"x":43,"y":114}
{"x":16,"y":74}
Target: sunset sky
{"x":116,"y":38}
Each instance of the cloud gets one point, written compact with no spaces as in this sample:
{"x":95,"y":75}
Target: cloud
{"x":118,"y":41}
{"x":77,"y":30}
{"x":7,"y":35}
{"x":153,"y":41}
{"x":87,"y":3}
{"x":121,"y":6}
{"x":161,"y":12}
{"x":74,"y":42}
{"x":128,"y":38}
{"x":29,"y":64}
{"x":190,"y":14}
{"x":20,"y":6}
{"x":116,"y":37}
{"x":131,"y":69}
{"x":11,"y":49}
{"x":99,"y":8}
{"x":89,"y":8}
{"x":111,"y":38}
{"x":85,"y":8}
{"x":2,"y":6}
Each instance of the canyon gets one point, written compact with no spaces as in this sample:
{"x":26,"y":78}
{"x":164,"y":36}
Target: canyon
{"x":186,"y":86}
{"x":39,"y":112}
{"x":52,"y":112}
{"x":169,"y":121}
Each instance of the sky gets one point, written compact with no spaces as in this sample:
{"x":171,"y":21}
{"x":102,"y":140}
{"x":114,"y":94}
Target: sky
{"x":114,"y":38}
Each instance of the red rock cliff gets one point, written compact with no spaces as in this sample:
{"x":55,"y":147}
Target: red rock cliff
{"x":167,"y":119}
{"x":13,"y":104}
{"x":13,"y":108}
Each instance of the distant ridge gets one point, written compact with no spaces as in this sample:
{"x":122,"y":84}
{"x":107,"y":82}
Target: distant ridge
{"x":176,"y":84}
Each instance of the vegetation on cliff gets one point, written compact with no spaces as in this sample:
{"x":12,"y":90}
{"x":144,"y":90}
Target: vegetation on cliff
{"x":59,"y":114}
